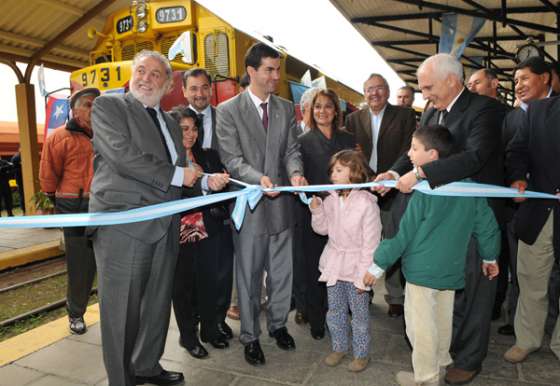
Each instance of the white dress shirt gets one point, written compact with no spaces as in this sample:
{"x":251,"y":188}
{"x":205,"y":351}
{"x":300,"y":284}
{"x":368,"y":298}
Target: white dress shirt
{"x":178,"y":174}
{"x":375,"y":127}
{"x":257,"y":102}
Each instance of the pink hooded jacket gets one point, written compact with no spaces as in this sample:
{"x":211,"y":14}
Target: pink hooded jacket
{"x":354,"y":230}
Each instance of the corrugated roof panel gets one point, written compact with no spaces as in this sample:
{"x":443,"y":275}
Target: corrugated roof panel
{"x":26,"y":26}
{"x":525,"y":17}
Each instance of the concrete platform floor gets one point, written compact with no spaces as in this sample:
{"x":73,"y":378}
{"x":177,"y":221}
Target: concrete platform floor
{"x":77,"y":360}
{"x":16,"y":238}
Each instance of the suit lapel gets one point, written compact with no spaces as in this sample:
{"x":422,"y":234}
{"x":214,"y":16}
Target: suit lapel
{"x":551,"y":125}
{"x":276,"y":126}
{"x":365,"y":120}
{"x":176,"y":135}
{"x":253,"y":122}
{"x":214,"y":136}
{"x":427,"y":117}
{"x":388,"y":117}
{"x":149,"y":135}
{"x":459,"y":108}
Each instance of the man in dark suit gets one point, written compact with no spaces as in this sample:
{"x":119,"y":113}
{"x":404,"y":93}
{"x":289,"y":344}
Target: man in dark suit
{"x":475,"y":123}
{"x":384,"y":132}
{"x":139,"y":160}
{"x":257,"y":139}
{"x":530,"y":160}
{"x":532,"y":82}
{"x":484,"y":82}
{"x":197,"y":88}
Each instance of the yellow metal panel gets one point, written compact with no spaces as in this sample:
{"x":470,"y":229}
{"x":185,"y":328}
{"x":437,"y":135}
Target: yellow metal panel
{"x":104,"y":76}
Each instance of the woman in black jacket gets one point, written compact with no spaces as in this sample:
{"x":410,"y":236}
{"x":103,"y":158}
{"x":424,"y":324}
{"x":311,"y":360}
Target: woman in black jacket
{"x":206,"y":244}
{"x":318,"y":144}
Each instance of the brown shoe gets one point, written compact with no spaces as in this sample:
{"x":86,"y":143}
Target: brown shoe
{"x":334,"y":358}
{"x":395,"y":310}
{"x":457,"y":376}
{"x":358,"y":364}
{"x":233,"y":313}
{"x":516,"y":354}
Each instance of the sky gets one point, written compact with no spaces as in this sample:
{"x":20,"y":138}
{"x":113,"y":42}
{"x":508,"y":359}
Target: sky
{"x":317,"y":34}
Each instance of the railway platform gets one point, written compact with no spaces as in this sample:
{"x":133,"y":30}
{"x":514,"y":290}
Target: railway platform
{"x":50,"y":356}
{"x":19,"y":246}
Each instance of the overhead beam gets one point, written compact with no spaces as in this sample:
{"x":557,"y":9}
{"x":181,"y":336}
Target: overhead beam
{"x":502,"y":15}
{"x":407,"y":16}
{"x":550,"y":6}
{"x":433,"y":39}
{"x":54,"y":64}
{"x":407,"y":51}
{"x":102,"y":5}
{"x":14,"y":67}
{"x":424,"y":15}
{"x":68,"y":9}
{"x":489,"y":16}
{"x":40,"y":43}
{"x":401,"y":29}
{"x":409,"y":42}
{"x":5,"y":49}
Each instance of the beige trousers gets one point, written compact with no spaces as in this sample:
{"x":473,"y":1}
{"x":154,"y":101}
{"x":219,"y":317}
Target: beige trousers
{"x":534,"y":264}
{"x":429,"y":320}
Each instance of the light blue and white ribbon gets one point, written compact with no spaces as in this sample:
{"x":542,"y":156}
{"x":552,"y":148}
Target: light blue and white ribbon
{"x":250,"y":196}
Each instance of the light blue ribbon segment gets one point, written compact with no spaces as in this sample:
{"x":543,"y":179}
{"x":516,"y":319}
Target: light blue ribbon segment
{"x":249,"y":196}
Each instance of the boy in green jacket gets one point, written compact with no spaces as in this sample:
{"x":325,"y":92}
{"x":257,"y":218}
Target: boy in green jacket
{"x":433,"y":238}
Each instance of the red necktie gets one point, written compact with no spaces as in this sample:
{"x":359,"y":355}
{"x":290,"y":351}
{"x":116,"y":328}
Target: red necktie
{"x":265,"y":115}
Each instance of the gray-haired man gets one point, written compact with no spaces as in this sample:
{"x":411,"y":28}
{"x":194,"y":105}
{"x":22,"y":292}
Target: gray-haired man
{"x":139,"y":160}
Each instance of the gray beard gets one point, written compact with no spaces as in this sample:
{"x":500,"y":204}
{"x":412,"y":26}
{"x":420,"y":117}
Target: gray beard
{"x":150,"y":101}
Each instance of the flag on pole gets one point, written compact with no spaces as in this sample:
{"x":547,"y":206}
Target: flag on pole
{"x":56,"y":113}
{"x":457,"y":31}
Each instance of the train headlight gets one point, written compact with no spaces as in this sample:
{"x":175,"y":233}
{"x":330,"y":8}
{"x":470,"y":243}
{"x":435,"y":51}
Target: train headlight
{"x":141,"y":11}
{"x":142,"y":26}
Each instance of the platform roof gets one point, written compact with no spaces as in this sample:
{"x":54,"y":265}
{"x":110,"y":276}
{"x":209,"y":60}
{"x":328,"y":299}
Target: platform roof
{"x":405,"y":32}
{"x":30,"y":28}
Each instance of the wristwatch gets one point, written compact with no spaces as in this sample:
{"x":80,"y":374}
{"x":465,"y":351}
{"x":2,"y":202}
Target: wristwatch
{"x":417,"y":173}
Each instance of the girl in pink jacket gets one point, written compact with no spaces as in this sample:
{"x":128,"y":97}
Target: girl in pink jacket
{"x":351,"y":220}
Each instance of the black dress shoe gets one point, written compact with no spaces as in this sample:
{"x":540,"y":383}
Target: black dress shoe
{"x":506,"y":329}
{"x":318,"y":333}
{"x":220,"y":342}
{"x":254,"y":354}
{"x":165,"y":378}
{"x":395,"y":310}
{"x":283,"y":339}
{"x":225,"y":330}
{"x":197,"y":350}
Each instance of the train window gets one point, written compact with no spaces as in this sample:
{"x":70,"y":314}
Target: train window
{"x":216,"y":53}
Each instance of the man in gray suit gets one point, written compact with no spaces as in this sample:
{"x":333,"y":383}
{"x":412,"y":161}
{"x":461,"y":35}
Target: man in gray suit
{"x":257,"y":139}
{"x":139,"y":160}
